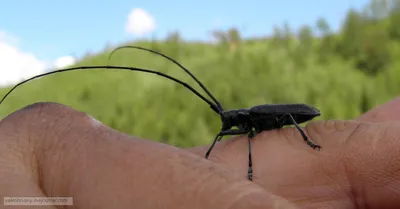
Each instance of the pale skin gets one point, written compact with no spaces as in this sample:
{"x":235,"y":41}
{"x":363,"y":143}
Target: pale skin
{"x":48,"y":149}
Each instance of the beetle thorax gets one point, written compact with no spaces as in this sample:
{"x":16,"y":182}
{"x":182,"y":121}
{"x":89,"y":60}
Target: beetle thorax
{"x":232,"y":118}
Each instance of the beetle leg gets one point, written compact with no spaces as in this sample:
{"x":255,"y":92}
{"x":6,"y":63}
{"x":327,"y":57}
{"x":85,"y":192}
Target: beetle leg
{"x":250,"y":169}
{"x":217,"y":138}
{"x":289,"y":116}
{"x":239,"y":131}
{"x":224,"y":133}
{"x":309,"y":143}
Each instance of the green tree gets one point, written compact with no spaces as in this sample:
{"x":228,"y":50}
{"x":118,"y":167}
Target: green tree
{"x":323,"y":26}
{"x":234,"y":38}
{"x":222,"y":39}
{"x":327,"y":41}
{"x":304,"y":46}
{"x":394,"y":19}
{"x":287,"y":35}
{"x":352,"y":35}
{"x":277,"y":37}
{"x":174,"y":40}
{"x":376,"y":10}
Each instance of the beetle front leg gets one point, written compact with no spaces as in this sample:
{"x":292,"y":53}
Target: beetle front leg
{"x":239,"y":131}
{"x":217,"y":138}
{"x":224,"y":133}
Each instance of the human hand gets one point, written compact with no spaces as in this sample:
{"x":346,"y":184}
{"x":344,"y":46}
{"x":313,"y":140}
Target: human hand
{"x":357,"y":167}
{"x":47,"y":149}
{"x":79,"y":157}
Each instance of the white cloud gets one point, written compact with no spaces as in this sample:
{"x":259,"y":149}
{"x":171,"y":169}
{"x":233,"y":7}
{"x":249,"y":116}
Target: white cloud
{"x":4,"y":37}
{"x":64,"y":61}
{"x":16,"y":65}
{"x":140,"y":22}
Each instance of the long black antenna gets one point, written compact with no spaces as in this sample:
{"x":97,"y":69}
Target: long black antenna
{"x":212,"y":105}
{"x":177,"y":63}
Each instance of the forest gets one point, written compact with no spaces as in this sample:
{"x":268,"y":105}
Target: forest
{"x":343,"y":73}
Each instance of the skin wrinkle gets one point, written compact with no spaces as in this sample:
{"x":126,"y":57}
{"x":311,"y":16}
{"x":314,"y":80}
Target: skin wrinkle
{"x":49,"y":152}
{"x":39,"y":174}
{"x":356,"y":130}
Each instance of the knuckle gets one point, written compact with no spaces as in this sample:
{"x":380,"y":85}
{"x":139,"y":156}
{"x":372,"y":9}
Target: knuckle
{"x":47,"y":109}
{"x":40,"y":123}
{"x":35,"y":110}
{"x":45,"y":132}
{"x":21,"y":134}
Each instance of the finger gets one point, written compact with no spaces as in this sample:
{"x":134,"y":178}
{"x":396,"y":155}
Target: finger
{"x":369,"y":163}
{"x":17,"y":176}
{"x":389,"y":111}
{"x":102,"y":168}
{"x":286,"y":166}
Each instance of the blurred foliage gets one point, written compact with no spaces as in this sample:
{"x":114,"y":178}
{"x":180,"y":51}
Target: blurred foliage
{"x":343,"y":74}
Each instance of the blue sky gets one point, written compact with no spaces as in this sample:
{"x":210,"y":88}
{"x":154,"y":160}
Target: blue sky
{"x":50,"y":29}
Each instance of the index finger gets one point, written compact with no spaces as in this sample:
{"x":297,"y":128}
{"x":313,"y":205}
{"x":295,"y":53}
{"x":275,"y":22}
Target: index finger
{"x":389,"y":111}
